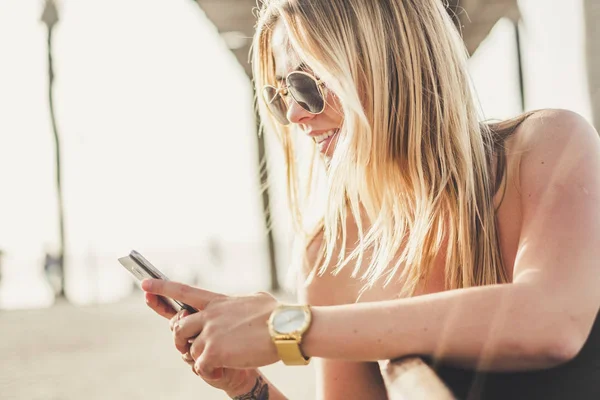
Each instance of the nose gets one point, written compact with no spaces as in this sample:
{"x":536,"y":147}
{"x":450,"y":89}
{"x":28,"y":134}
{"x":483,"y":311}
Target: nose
{"x":296,"y":114}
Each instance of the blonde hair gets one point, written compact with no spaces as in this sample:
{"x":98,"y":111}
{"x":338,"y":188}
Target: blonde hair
{"x":413,"y":163}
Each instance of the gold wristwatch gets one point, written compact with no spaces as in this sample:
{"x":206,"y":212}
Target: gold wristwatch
{"x":287,"y":324}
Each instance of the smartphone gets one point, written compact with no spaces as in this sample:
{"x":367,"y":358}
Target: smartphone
{"x":142,"y":269}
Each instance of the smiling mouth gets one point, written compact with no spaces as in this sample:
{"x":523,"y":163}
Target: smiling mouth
{"x":325,"y":136}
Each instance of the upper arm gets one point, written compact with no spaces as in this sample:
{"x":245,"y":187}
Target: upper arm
{"x":559,"y":245}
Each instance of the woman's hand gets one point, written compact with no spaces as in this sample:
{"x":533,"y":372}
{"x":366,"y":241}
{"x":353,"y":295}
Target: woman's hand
{"x":227,"y":332}
{"x":233,"y":381}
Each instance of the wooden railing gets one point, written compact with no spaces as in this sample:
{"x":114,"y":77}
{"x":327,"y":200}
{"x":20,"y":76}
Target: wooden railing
{"x":411,"y":378}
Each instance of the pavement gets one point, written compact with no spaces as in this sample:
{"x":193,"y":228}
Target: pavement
{"x":120,"y":351}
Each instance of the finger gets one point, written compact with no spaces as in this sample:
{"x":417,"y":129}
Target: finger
{"x":187,"y":357}
{"x":195,"y":297}
{"x":182,"y":345}
{"x":207,"y":371}
{"x":176,"y":318}
{"x":197,"y":349}
{"x":173,"y":321}
{"x":159,"y":306}
{"x":215,"y":375}
{"x":190,"y":327}
{"x":183,"y":349}
{"x":187,"y":329}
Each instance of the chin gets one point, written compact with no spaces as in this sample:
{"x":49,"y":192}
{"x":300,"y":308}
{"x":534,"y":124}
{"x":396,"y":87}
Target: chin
{"x":328,"y":149}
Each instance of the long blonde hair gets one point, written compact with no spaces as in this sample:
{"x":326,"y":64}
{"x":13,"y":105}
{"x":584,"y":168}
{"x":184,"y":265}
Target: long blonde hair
{"x":412,"y":165}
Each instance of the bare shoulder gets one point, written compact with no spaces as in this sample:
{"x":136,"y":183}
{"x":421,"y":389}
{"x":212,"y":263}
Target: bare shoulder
{"x":556,"y":145}
{"x":553,"y":131}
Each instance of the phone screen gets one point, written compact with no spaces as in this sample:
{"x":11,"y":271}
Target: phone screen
{"x":142,"y":269}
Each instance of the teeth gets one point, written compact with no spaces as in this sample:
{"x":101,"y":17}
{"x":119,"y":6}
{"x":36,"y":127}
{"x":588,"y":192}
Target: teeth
{"x":324,"y":136}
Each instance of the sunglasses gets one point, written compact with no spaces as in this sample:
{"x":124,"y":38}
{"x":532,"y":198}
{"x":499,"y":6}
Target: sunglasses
{"x":306,"y":90}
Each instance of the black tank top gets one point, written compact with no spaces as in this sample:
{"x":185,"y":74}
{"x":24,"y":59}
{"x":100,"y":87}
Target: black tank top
{"x":578,"y":379}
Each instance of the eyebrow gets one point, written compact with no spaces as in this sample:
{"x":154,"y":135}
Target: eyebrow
{"x":301,"y":67}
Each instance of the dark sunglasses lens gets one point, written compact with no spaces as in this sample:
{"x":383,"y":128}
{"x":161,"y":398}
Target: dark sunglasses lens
{"x":276,"y":104}
{"x":305,"y":91}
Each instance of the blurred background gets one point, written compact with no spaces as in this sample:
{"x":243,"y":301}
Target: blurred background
{"x":129,"y":124}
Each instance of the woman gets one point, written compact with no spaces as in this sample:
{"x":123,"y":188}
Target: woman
{"x":472,"y":245}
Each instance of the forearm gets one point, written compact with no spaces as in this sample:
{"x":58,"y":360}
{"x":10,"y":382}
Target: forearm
{"x":257,"y":387}
{"x":500,"y":327}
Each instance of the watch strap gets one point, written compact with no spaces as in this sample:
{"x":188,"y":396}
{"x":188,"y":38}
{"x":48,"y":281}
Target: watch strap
{"x":289,"y":352}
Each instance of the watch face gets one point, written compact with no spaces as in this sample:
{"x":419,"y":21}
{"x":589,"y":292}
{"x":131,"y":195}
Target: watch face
{"x":289,"y":320}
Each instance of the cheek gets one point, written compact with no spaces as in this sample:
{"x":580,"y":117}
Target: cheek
{"x":334,"y":108}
